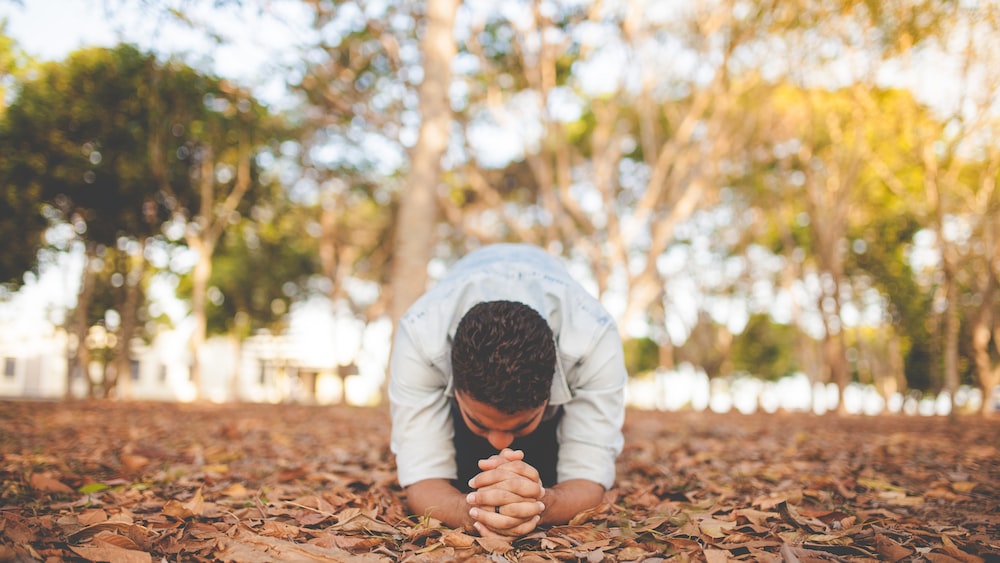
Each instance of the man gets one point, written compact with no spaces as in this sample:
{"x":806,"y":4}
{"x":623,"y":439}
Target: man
{"x":507,"y":395}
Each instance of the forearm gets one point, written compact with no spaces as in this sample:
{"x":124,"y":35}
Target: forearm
{"x":569,"y":498}
{"x":438,"y":499}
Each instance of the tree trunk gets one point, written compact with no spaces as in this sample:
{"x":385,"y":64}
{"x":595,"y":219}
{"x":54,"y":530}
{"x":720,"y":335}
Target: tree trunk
{"x":80,"y":359}
{"x":982,"y":332}
{"x":836,"y":355}
{"x":951,"y":330}
{"x":418,"y":209}
{"x":129,"y":324}
{"x":199,"y":290}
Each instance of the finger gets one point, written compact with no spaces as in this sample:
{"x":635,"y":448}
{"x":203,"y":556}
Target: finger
{"x":505,"y":471}
{"x":507,"y":517}
{"x":488,"y":498}
{"x":499,"y":459}
{"x":494,"y":520}
{"x":511,"y":455}
{"x":503,"y":479}
{"x":522,"y":510}
{"x":517,"y":531}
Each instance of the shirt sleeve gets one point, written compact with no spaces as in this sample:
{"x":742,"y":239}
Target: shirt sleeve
{"x":590,"y":432}
{"x":422,"y":432}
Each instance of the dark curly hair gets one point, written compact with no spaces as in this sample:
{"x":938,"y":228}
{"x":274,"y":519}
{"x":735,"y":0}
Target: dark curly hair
{"x":504,"y":355}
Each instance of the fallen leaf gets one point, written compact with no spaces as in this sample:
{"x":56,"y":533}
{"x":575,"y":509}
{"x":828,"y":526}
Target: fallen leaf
{"x":495,"y":545}
{"x":185,"y":510}
{"x":963,"y":486}
{"x":716,"y":555}
{"x":890,"y":550}
{"x":757,"y":517}
{"x":134,"y":463}
{"x":456,"y":538}
{"x":43,"y":482}
{"x":112,"y":554}
{"x":235,"y":490}
{"x":715,"y":529}
{"x":92,"y":516}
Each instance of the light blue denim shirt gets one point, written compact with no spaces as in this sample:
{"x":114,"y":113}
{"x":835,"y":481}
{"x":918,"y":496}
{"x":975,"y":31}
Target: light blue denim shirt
{"x":588,"y":384}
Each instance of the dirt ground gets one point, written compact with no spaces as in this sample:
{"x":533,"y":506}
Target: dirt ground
{"x":131,"y":482}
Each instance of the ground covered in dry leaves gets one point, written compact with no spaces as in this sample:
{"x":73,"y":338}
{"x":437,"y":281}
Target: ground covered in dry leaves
{"x":133,"y":482}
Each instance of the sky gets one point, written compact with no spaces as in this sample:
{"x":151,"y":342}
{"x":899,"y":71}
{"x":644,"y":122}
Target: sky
{"x":50,"y":29}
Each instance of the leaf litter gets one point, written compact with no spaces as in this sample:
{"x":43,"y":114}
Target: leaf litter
{"x":140,"y":482}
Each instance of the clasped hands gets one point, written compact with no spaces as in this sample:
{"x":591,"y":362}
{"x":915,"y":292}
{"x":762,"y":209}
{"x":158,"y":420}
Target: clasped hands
{"x":507,"y":500}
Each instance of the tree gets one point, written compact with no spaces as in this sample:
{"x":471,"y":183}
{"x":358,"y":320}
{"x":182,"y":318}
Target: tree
{"x":74,"y":139}
{"x":764,"y":348}
{"x":617,"y":163}
{"x":269,"y":242}
{"x":220,"y":129}
{"x":115,"y":144}
{"x":418,"y":207}
{"x":958,"y":163}
{"x":19,"y":219}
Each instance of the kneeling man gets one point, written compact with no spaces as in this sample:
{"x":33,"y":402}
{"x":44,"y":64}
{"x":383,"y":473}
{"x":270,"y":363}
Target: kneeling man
{"x":507,"y":395}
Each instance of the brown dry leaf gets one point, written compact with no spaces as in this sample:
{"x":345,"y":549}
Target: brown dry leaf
{"x":134,"y":463}
{"x":13,"y":527}
{"x":791,"y":515}
{"x":235,"y":490}
{"x":456,"y":538}
{"x":716,"y":555}
{"x":92,"y":516}
{"x":891,"y":551}
{"x":586,"y":515}
{"x":108,"y":539}
{"x":354,"y":520}
{"x":277,"y":529}
{"x":350,"y":543}
{"x":130,"y":530}
{"x":46,"y":483}
{"x":963,"y":486}
{"x":495,"y":545}
{"x":715,"y":529}
{"x":291,"y":473}
{"x":112,"y":554}
{"x":633,"y":553}
{"x":248,"y":547}
{"x":758,"y":517}
{"x":185,"y":510}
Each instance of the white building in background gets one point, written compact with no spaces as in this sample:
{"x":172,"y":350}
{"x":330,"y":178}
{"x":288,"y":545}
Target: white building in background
{"x":34,"y":365}
{"x":303,"y":367}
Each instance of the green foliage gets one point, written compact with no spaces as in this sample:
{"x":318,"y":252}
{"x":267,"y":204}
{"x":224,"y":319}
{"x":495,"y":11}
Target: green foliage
{"x":765,"y":348}
{"x":75,"y":134}
{"x":259,"y":270}
{"x":642,"y":355}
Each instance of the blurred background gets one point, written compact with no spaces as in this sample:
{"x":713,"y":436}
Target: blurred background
{"x":787,"y":205}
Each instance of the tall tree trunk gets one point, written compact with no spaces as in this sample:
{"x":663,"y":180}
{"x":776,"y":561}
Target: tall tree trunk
{"x":418,"y":210}
{"x":834,"y":349}
{"x":80,"y":360}
{"x":129,"y":325}
{"x":952,"y":325}
{"x":936,"y":181}
{"x":982,"y":332}
{"x":199,"y":291}
{"x":212,"y":218}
